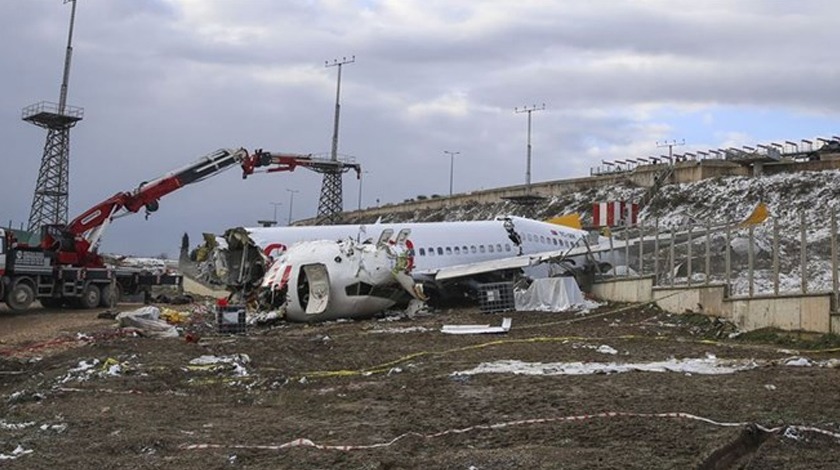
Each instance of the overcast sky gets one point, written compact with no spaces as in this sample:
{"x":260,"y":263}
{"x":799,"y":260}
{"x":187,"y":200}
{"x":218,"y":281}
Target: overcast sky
{"x":164,"y":82}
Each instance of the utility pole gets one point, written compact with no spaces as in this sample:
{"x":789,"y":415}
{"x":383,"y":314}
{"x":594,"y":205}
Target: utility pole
{"x":331,"y":202}
{"x":276,"y":205}
{"x":529,"y":110}
{"x":451,"y":167}
{"x":291,"y":203}
{"x":361,"y":176}
{"x":670,"y":144}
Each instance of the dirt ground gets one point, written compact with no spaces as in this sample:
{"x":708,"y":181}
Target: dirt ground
{"x":386,"y":390}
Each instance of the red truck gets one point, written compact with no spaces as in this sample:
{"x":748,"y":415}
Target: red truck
{"x":65,"y":268}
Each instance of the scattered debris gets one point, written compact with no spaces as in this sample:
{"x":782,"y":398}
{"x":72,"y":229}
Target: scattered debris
{"x":604,"y":349}
{"x":707,"y":366}
{"x":235,"y":362}
{"x":407,"y":329}
{"x":146,"y":320}
{"x":59,"y":428}
{"x":265,"y":318}
{"x":18,"y":452}
{"x":6,"y":426}
{"x":477,"y":329}
{"x":798,"y":362}
{"x":86,"y":370}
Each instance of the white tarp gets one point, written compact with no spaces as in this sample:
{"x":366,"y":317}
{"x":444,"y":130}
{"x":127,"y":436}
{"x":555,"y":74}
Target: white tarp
{"x":147,"y":320}
{"x":553,"y":294}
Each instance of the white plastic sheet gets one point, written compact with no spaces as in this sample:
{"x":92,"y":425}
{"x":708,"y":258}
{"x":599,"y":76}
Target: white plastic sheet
{"x":147,"y":320}
{"x":554,"y":294}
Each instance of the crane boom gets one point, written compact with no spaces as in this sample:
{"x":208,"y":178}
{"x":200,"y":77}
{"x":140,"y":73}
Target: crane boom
{"x":77,"y":242}
{"x":289,"y":161}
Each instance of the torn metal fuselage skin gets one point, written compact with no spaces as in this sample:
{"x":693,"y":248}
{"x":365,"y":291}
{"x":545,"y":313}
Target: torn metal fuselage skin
{"x":309,"y":281}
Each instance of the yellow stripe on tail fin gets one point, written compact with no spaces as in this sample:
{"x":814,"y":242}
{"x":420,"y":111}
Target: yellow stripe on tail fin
{"x":569,"y":220}
{"x":758,"y":215}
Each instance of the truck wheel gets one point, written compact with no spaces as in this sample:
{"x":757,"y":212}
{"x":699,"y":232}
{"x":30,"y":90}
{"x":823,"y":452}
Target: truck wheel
{"x":105,"y":298}
{"x":90,"y":296}
{"x":20,"y":296}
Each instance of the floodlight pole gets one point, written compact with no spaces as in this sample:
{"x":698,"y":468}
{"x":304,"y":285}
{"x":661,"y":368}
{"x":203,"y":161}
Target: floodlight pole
{"x":337,"y":63}
{"x":670,"y":144}
{"x":361,"y":177}
{"x":291,"y":203}
{"x":529,"y":110}
{"x":276,"y":205}
{"x":62,"y":99}
{"x":451,"y":167}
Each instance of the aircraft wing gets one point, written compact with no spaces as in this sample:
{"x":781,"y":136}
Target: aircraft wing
{"x":524,"y":261}
{"x":513,"y":262}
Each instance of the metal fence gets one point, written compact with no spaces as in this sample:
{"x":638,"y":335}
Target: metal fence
{"x":771,"y":258}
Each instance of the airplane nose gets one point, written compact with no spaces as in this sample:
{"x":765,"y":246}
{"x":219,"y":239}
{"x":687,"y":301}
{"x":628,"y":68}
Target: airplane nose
{"x":278,"y":276}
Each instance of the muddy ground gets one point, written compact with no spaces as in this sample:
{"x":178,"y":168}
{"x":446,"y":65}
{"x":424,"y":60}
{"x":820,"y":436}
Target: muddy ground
{"x":387,"y":390}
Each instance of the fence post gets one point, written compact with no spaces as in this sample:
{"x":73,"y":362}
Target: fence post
{"x":708,"y":251}
{"x":834,"y":274}
{"x":626,"y":251}
{"x":688,"y":270}
{"x":673,"y":238}
{"x":641,"y":226}
{"x":750,"y":256}
{"x":728,"y":256}
{"x":775,"y":256}
{"x":803,"y":252}
{"x":612,"y":250}
{"x":656,"y":251}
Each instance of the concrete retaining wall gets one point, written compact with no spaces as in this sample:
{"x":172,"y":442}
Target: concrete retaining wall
{"x":800,"y":312}
{"x":811,"y":312}
{"x":624,"y":290}
{"x":706,"y":299}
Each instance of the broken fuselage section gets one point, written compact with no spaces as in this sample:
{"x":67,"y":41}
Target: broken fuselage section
{"x":309,"y":281}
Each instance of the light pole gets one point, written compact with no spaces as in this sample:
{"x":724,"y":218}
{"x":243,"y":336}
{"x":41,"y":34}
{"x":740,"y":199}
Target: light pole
{"x":451,"y":167}
{"x":670,"y":144}
{"x":361,"y":176}
{"x":339,"y":64}
{"x":529,"y":110}
{"x":276,"y":205}
{"x":291,"y":203}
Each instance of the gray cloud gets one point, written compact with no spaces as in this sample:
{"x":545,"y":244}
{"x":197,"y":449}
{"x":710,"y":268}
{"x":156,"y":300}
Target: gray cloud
{"x":166,"y":81}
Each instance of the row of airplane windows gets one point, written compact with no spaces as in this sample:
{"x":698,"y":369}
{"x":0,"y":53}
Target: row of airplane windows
{"x":490,"y":248}
{"x":458,"y":250}
{"x":548,"y":240}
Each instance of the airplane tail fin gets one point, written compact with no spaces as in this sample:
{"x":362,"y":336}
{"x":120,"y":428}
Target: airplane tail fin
{"x":758,"y":215}
{"x":569,"y":220}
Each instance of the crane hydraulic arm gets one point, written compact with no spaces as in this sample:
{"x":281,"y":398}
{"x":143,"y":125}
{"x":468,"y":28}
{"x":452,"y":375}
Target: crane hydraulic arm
{"x":289,"y":161}
{"x":76,"y":243}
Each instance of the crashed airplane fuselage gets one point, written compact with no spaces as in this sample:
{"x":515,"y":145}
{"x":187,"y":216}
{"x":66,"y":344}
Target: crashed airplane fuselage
{"x":319,"y":273}
{"x":325,"y":280}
